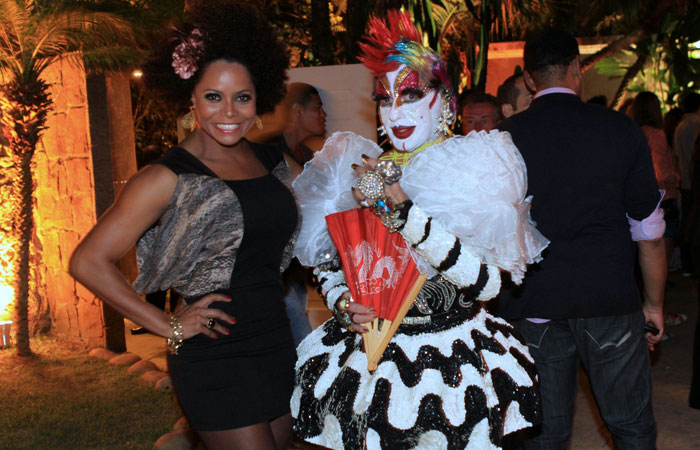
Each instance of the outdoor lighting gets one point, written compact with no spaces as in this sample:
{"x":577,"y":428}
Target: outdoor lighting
{"x":7,"y":293}
{"x":5,"y":330}
{"x":7,"y":296}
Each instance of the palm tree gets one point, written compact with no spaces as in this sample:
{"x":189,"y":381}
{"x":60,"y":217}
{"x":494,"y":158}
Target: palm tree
{"x":645,"y":27}
{"x":33,"y":35}
{"x":465,"y":29}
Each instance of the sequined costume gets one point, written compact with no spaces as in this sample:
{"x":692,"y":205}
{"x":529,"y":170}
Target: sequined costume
{"x":453,"y":376}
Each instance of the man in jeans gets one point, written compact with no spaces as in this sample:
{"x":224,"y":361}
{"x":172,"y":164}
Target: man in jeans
{"x":594,"y":195}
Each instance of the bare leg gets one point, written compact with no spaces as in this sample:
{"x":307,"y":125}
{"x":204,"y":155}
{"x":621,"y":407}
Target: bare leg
{"x":253,"y":437}
{"x":282,"y":430}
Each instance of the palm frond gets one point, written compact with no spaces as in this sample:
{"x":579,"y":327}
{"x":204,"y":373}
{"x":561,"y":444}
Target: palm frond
{"x":14,"y":22}
{"x":111,"y":58}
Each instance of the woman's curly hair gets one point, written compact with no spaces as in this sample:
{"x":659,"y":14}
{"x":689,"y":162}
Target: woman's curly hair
{"x":229,"y":30}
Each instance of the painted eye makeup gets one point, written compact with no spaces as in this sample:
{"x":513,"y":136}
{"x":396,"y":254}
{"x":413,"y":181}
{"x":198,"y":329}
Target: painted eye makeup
{"x":411,"y":95}
{"x":381,"y":93}
{"x":382,"y":99}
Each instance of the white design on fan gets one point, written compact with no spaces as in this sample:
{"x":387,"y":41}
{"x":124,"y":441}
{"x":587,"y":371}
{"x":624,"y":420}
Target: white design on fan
{"x":373,"y":277}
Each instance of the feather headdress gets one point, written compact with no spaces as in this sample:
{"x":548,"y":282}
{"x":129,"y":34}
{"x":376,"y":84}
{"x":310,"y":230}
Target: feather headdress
{"x":397,"y":41}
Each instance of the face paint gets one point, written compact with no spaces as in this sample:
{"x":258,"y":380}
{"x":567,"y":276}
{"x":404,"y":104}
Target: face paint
{"x":408,"y":108}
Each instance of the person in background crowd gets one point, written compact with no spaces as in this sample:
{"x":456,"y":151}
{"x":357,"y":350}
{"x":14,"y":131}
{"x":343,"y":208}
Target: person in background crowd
{"x":598,"y":100}
{"x":479,"y":112}
{"x":684,"y":139}
{"x":671,"y":120}
{"x":646,"y":112}
{"x":305,"y":118}
{"x":513,"y":96}
{"x":226,"y":228}
{"x":693,"y":238}
{"x":594,"y":193}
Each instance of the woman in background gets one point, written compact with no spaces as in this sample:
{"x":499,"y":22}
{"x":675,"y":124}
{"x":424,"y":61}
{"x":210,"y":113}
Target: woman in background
{"x":646,"y":111}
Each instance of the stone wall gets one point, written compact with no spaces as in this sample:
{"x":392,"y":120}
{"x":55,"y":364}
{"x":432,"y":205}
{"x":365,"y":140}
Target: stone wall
{"x":65,"y":204}
{"x":65,"y":197}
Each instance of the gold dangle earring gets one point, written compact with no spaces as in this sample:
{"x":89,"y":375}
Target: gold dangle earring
{"x":258,"y":123}
{"x":189,"y":121}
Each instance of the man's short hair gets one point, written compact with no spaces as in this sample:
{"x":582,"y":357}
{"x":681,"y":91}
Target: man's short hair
{"x":507,"y":92}
{"x":469,"y":98}
{"x":549,"y":51}
{"x":598,"y":100}
{"x":691,"y":102}
{"x":299,"y":94}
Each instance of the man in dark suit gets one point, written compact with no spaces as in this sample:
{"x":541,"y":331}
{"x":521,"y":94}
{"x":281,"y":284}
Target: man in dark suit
{"x":594,"y":195}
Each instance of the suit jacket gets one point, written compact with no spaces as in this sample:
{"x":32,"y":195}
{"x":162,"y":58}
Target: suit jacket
{"x":588,"y":167}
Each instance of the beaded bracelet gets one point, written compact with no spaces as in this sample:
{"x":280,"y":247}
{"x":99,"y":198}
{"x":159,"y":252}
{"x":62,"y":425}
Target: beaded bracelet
{"x":177,"y":337}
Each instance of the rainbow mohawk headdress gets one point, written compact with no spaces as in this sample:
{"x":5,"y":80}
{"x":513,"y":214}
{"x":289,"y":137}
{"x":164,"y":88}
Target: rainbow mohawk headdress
{"x":397,"y":41}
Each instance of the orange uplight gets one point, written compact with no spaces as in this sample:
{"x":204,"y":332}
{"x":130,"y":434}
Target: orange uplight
{"x":7,"y":292}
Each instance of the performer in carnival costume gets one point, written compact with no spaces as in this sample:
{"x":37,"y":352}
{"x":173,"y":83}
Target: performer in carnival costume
{"x":453,"y":376}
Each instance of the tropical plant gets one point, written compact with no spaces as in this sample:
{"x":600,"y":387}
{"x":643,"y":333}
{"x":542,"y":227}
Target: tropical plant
{"x":465,"y":28}
{"x":663,"y":64}
{"x":33,"y":35}
{"x":652,"y":51}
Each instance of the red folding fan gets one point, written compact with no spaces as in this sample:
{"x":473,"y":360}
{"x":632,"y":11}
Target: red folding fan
{"x":379,"y":272}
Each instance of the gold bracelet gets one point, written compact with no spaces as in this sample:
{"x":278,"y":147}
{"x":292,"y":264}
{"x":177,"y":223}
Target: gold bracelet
{"x":177,"y":336}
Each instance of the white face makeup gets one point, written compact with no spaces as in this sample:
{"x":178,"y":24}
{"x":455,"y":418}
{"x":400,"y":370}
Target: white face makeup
{"x":408,"y":108}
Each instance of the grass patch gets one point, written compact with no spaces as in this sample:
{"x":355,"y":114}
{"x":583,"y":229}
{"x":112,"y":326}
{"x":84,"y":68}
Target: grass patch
{"x":61,"y":398}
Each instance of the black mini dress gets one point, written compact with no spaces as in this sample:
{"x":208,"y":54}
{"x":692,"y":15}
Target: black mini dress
{"x":245,"y":377}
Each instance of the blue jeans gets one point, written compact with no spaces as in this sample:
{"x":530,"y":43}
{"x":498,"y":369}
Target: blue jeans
{"x":614,"y":353}
{"x":295,"y":302}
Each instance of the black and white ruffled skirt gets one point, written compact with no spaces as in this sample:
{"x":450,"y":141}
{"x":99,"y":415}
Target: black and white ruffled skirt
{"x":463,"y":380}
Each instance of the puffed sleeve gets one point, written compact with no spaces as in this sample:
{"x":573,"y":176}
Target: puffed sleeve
{"x":446,"y":253}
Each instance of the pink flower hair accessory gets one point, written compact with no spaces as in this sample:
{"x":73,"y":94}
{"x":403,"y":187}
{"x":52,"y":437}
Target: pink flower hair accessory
{"x":187,"y":53}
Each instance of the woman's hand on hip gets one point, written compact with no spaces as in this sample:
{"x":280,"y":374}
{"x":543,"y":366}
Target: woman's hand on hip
{"x":199,"y":318}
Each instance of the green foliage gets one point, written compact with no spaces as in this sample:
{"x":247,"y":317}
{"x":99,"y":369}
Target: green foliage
{"x":154,"y":122}
{"x":466,"y":28}
{"x":63,"y":399}
{"x":35,"y":34}
{"x":292,"y":20}
{"x":663,"y":56}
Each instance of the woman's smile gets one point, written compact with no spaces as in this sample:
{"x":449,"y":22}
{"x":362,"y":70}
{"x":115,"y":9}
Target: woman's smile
{"x":228,"y":128}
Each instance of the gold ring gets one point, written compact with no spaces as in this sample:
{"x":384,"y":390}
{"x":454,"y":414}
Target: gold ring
{"x":344,"y":304}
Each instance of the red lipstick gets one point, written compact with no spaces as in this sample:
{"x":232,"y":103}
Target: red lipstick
{"x":403,"y":132}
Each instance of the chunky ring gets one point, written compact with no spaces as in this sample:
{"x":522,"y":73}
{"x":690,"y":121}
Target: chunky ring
{"x":211,"y":323}
{"x":344,"y":304}
{"x":371,"y":185}
{"x":389,"y":171}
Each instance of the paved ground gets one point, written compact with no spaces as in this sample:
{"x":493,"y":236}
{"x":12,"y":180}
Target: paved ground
{"x":679,"y":425}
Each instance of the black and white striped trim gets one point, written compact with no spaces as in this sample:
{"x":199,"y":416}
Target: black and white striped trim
{"x":445,"y":252}
{"x":333,"y":285}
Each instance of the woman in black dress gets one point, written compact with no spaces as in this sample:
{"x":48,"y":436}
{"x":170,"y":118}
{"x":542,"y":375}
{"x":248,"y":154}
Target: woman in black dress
{"x":226,"y":221}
